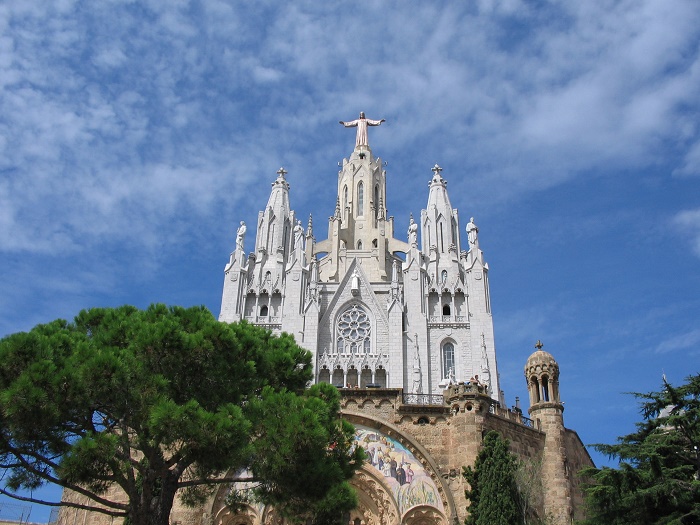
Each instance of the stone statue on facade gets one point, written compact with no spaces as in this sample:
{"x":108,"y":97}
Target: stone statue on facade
{"x":412,"y":233}
{"x":298,"y":236}
{"x":417,"y":374}
{"x":361,"y":125}
{"x":472,"y":233}
{"x":240,"y":236}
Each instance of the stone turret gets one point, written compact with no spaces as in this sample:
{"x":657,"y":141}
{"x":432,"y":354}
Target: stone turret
{"x":547,"y":411}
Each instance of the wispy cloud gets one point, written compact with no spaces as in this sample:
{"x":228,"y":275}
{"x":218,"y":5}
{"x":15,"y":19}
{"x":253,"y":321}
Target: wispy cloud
{"x":688,"y":222}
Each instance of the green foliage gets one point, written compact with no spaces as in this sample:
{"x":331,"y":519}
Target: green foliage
{"x":166,"y":399}
{"x":493,"y":494}
{"x":656,"y":482}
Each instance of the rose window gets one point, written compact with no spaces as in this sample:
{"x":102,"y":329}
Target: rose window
{"x":353,"y":331}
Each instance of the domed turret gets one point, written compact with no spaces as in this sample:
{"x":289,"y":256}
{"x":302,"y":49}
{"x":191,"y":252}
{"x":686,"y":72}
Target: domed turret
{"x":542,"y":375}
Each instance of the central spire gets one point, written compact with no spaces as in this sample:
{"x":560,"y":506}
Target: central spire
{"x":361,"y":125}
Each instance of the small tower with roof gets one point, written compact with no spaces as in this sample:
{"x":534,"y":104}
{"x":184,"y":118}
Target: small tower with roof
{"x":547,"y":410}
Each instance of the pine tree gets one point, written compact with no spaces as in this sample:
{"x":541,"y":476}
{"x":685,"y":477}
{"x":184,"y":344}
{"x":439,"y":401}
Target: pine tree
{"x":493,"y":493}
{"x":657,"y":481}
{"x":170,"y":400}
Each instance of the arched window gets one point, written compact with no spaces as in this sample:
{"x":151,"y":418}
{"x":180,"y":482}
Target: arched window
{"x":359,"y":245}
{"x":376,"y":200}
{"x":446,"y":309}
{"x":535,"y":389}
{"x":443,"y":276}
{"x":263,"y":311}
{"x":354,"y":330}
{"x":442,"y":240}
{"x":360,"y":198}
{"x":545,"y":388}
{"x":448,"y":358}
{"x":345,"y":197}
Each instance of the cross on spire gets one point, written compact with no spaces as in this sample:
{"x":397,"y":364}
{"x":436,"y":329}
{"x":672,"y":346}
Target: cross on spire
{"x":539,"y":345}
{"x":281,"y":172}
{"x":436,"y":169}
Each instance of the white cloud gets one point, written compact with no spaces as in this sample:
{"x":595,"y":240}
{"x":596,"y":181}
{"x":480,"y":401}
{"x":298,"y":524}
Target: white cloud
{"x":688,"y":221}
{"x":685,"y":342}
{"x":157,"y":108}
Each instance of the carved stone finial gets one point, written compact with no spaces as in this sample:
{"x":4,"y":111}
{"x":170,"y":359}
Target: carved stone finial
{"x":282,"y":172}
{"x":309,"y":228}
{"x":337,"y":208}
{"x":539,"y":345}
{"x":436,"y":170}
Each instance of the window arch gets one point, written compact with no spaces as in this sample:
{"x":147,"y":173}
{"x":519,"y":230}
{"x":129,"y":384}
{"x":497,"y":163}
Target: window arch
{"x":359,"y":245}
{"x":360,"y":198}
{"x":354,"y":330}
{"x":446,"y":309}
{"x":545,"y":388}
{"x":448,"y":358}
{"x":263,"y":310}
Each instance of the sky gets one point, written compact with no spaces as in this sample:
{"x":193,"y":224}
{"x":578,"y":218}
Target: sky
{"x":134,"y":136}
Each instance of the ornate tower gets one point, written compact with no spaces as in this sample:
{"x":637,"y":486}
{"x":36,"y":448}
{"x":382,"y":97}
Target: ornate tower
{"x":547,"y":410}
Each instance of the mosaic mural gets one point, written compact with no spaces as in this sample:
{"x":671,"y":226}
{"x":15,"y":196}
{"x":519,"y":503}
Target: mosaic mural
{"x":409,"y":482}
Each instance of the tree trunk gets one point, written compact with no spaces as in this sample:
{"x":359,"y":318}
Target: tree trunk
{"x":156,"y":509}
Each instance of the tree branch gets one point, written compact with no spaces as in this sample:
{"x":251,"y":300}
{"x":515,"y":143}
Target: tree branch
{"x":216,"y":481}
{"x":63,"y":504}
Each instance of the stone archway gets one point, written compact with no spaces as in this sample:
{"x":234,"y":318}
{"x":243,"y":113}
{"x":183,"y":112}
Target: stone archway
{"x":424,"y":515}
{"x":376,"y":505}
{"x":246,"y":516}
{"x":396,"y":486}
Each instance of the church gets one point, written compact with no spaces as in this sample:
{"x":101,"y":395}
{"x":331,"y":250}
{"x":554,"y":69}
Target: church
{"x":398,"y":317}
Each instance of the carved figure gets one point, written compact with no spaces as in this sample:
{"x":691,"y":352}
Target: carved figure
{"x":361,"y":125}
{"x":412,"y":233}
{"x":472,"y":232}
{"x":240,"y":235}
{"x":298,"y":236}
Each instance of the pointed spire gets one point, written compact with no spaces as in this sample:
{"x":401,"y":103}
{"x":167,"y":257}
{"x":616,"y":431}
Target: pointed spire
{"x":337,"y":208}
{"x":310,"y":228}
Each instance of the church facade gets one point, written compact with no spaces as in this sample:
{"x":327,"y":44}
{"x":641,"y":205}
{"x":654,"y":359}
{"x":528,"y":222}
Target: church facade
{"x":373,"y":307}
{"x":403,"y":327}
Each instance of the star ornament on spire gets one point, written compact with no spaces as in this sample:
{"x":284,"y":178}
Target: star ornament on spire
{"x":361,"y":124}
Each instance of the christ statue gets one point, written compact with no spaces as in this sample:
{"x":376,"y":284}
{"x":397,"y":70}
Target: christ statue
{"x":361,"y":125}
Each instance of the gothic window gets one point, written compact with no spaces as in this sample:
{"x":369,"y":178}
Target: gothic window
{"x":374,"y":243}
{"x":376,"y":203}
{"x":359,"y":245}
{"x":443,"y":276}
{"x":353,"y":331}
{"x":446,"y":309}
{"x":448,"y":358}
{"x":345,"y":197}
{"x":360,"y":199}
{"x":442,"y":240}
{"x":263,"y":311}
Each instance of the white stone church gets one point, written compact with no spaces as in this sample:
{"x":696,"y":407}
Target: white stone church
{"x":374,"y":306}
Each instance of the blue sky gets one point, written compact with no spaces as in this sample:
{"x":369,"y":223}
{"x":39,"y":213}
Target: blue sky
{"x":134,"y":136}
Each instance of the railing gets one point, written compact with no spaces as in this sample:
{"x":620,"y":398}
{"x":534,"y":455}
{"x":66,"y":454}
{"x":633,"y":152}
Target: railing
{"x":513,"y":415}
{"x":263,"y":319}
{"x":448,"y":319}
{"x":423,"y":399}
